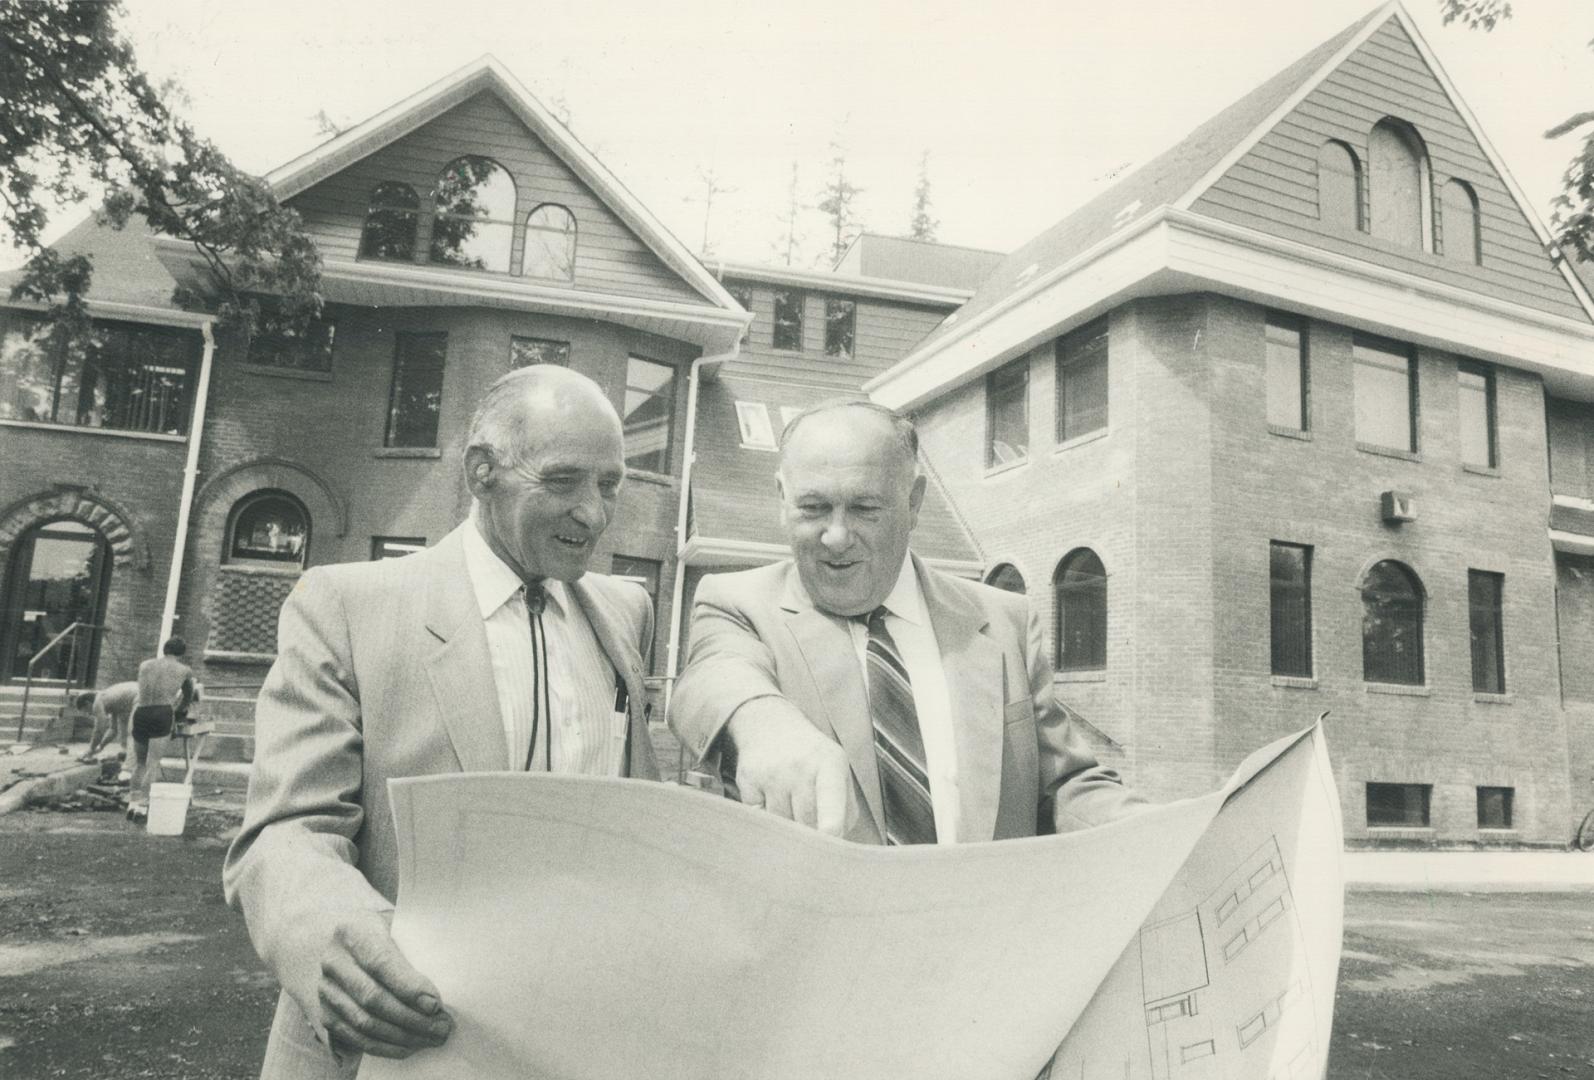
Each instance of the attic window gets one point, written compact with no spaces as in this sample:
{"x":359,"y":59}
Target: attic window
{"x":390,"y":219}
{"x":752,"y":418}
{"x":475,"y":222}
{"x":551,"y":243}
{"x":1398,"y":168}
{"x":1459,"y":223}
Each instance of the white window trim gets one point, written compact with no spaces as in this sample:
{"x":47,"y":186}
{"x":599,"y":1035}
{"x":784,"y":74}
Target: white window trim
{"x":752,"y":421}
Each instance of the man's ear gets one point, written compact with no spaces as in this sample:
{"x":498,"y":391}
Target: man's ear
{"x":916,"y":499}
{"x":481,"y":471}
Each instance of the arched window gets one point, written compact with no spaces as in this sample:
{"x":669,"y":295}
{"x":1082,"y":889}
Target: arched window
{"x":269,"y":526}
{"x":1006,"y":576}
{"x":551,"y":243}
{"x":1339,"y":185}
{"x":475,"y":221}
{"x":1398,"y":165}
{"x":1392,"y":602}
{"x":1080,"y":585}
{"x":390,"y":222}
{"x":1459,"y":223}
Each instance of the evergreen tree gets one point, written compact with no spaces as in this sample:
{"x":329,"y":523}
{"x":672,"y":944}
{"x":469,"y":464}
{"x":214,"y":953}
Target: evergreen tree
{"x":836,"y":202}
{"x":787,"y":243}
{"x":923,"y":225}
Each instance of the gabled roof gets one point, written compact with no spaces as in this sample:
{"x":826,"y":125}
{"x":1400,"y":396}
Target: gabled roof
{"x":1165,"y":180}
{"x":487,"y":73}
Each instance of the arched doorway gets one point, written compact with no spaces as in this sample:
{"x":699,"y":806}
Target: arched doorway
{"x":60,"y":573}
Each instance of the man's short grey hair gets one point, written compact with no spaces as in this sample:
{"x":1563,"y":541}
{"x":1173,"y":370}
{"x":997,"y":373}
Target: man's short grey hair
{"x":907,"y":436}
{"x":499,"y":422}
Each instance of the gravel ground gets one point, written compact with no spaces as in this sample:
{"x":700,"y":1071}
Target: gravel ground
{"x":118,"y":959}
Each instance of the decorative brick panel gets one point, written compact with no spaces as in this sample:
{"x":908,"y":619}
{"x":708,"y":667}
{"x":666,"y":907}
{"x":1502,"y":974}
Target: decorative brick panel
{"x":244,"y":608}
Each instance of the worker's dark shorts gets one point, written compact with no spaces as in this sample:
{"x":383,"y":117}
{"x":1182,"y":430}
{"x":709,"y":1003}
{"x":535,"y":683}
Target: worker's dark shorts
{"x":152,"y":722}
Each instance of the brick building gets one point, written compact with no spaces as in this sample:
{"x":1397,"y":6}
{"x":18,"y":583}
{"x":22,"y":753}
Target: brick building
{"x":1293,"y":419}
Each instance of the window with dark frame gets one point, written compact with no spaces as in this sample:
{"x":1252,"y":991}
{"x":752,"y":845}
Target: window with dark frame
{"x":1080,"y":587}
{"x":124,"y":377}
{"x":391,"y":219}
{"x":788,"y":326}
{"x":1392,"y":646}
{"x":416,"y":400}
{"x":473,"y":226}
{"x":1291,"y":608}
{"x":1385,"y":387}
{"x":1006,"y":576}
{"x":268,"y":526}
{"x":1007,"y":414}
{"x":1082,"y":381}
{"x":1288,"y":385}
{"x":1484,"y":594}
{"x":276,"y":344}
{"x":840,"y":322}
{"x":1494,"y":807}
{"x":1478,"y":429}
{"x":526,"y":351}
{"x":1398,"y":805}
{"x":649,"y":416}
{"x":395,"y":547}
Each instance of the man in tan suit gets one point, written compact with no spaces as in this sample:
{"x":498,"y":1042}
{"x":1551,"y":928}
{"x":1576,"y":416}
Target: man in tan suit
{"x":856,"y":690}
{"x":492,"y":650}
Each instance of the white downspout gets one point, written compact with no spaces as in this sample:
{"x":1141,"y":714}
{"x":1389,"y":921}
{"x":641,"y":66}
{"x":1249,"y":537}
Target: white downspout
{"x":196,"y":428}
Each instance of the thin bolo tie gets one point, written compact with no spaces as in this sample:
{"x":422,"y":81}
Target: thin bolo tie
{"x":536,"y":600}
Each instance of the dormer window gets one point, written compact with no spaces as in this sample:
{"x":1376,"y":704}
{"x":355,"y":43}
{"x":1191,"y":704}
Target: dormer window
{"x":474,"y":225}
{"x":390,"y":221}
{"x":551,"y":243}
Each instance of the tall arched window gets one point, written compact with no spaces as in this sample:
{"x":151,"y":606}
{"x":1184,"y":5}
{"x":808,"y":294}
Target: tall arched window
{"x":1459,"y":222}
{"x":390,"y":219}
{"x":1080,"y":584}
{"x":551,"y":243}
{"x":475,"y":221}
{"x":1339,"y":185}
{"x":1398,"y":164}
{"x":1006,"y":576}
{"x":1392,"y":601}
{"x":268,"y":526}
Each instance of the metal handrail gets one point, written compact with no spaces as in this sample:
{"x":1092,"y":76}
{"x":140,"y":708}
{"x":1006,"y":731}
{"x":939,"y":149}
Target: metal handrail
{"x":27,"y":686}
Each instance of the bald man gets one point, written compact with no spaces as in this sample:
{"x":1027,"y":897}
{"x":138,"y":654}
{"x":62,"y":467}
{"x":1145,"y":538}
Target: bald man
{"x":494,"y":650}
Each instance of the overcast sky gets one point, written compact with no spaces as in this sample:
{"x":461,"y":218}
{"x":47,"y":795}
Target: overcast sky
{"x":1026,"y":107}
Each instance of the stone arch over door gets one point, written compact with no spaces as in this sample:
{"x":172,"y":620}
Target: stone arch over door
{"x":125,"y":637}
{"x":231,"y":610}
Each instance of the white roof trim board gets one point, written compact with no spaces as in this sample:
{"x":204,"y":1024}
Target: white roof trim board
{"x":487,"y":73}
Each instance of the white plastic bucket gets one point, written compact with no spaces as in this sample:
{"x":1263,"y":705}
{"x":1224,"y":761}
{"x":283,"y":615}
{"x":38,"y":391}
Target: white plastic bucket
{"x":168,"y":808}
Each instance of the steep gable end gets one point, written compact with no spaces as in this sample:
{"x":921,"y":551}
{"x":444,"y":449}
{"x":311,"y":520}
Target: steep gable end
{"x":1276,"y":186}
{"x":610,"y":256}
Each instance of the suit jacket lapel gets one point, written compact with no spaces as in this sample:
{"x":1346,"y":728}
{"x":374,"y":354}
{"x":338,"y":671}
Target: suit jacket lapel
{"x":459,"y":665}
{"x":972,"y":663}
{"x":832,"y":661}
{"x":622,"y":654}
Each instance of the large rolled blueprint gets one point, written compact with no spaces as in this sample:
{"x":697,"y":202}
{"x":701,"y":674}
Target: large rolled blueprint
{"x":585,"y":929}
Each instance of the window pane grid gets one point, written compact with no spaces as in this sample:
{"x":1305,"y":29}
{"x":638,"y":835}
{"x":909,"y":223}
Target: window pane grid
{"x":1291,"y":609}
{"x":1392,"y":647}
{"x":1082,"y":382}
{"x":417,"y":395}
{"x":1007,"y":414}
{"x":1484,"y":594}
{"x":1081,"y":588}
{"x":788,"y":331}
{"x":649,"y":414}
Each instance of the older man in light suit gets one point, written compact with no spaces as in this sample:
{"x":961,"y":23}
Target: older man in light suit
{"x":490,"y":651}
{"x":856,"y":690}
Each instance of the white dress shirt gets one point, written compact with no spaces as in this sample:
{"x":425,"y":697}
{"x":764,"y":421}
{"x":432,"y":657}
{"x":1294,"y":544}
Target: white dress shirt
{"x":908,"y":623}
{"x":588,"y":735}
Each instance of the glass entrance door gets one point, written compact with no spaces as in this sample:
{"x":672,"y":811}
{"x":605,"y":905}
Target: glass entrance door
{"x":59,"y":575}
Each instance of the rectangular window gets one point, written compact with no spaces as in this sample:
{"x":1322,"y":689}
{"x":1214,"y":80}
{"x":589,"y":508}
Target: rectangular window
{"x":840,"y":319}
{"x":1007,"y":414}
{"x":1288,"y":405}
{"x":1082,"y":382}
{"x":1484,"y":591}
{"x":275,"y":345}
{"x":417,"y":397}
{"x":649,"y":414}
{"x":1398,"y":805}
{"x":788,"y":320}
{"x":525,"y":351}
{"x":392,"y":547}
{"x":1386,"y":393}
{"x":1494,"y":807}
{"x":1479,"y":439}
{"x":125,"y":377}
{"x":752,"y":420}
{"x":1291,"y":576}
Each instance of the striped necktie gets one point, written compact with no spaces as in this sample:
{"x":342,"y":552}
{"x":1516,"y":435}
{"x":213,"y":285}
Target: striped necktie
{"x":899,"y":748}
{"x":541,"y":710}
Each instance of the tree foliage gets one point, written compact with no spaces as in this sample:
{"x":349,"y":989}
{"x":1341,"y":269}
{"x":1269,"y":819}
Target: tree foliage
{"x":790,"y":239}
{"x":82,"y":120}
{"x":836,"y":203}
{"x":1573,"y":209}
{"x":923,"y":226}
